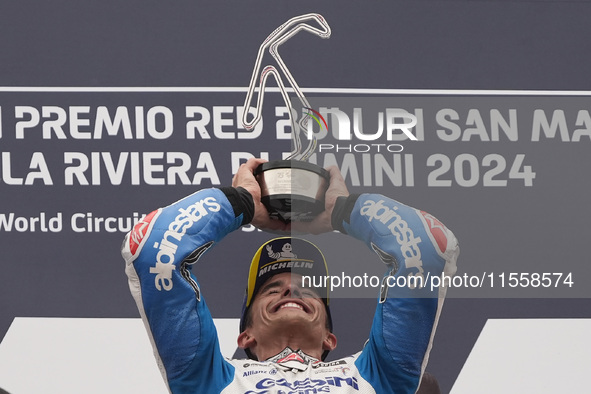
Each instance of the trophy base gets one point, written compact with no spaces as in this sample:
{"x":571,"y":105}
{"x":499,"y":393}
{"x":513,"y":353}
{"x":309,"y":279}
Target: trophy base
{"x":292,"y":190}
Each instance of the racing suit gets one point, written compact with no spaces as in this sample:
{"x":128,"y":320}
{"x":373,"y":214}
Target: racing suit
{"x":159,"y":253}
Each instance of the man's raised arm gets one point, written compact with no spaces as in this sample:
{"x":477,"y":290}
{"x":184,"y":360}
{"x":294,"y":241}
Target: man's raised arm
{"x":415,"y":247}
{"x":159,"y":252}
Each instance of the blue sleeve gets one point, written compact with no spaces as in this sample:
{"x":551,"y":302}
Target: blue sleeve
{"x":414,"y":246}
{"x":159,"y":252}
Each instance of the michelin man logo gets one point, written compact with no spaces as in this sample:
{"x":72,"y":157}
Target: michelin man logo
{"x":285,"y":252}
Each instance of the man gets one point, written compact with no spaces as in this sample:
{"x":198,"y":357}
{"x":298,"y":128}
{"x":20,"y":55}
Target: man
{"x":277,"y":302}
{"x":287,"y":327}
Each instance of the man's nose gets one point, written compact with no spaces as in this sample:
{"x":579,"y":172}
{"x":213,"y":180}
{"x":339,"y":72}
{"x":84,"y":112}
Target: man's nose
{"x":292,"y":290}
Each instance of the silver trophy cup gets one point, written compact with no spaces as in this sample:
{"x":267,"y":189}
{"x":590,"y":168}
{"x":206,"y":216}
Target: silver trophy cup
{"x":292,"y":190}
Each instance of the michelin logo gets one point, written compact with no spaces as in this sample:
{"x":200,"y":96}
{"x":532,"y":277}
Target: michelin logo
{"x":173,"y":236}
{"x":285,"y":252}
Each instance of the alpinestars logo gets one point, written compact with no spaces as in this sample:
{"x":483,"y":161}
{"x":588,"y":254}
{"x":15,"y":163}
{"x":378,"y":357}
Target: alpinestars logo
{"x":409,"y":244}
{"x":173,"y":236}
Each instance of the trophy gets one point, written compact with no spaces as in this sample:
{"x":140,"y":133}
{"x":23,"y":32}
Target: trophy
{"x":292,"y":189}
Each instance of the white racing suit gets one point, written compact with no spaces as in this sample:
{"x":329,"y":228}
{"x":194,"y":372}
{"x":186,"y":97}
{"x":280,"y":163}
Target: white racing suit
{"x":159,"y":252}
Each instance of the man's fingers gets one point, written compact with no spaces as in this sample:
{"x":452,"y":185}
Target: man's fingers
{"x":335,"y":173}
{"x":246,"y":171}
{"x":337,"y":184}
{"x":252,"y":164}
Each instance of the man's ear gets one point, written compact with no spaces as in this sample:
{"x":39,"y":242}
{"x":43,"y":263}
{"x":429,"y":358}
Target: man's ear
{"x":330,"y":342}
{"x":245,"y":340}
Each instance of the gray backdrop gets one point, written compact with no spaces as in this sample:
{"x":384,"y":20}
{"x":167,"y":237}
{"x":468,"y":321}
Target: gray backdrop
{"x":65,"y":58}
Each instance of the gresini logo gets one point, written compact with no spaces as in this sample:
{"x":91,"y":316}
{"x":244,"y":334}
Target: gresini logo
{"x":173,"y":236}
{"x":307,"y":385}
{"x":409,"y":244}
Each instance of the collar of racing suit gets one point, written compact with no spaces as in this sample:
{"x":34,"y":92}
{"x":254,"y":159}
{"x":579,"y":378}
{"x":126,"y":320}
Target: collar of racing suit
{"x":296,"y":360}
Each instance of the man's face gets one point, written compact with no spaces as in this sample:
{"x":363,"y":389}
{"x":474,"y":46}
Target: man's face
{"x":282,"y":299}
{"x":282,"y":306}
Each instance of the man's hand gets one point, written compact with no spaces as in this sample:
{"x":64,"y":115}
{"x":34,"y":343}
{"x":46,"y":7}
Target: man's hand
{"x":245,"y":178}
{"x":322,"y":222}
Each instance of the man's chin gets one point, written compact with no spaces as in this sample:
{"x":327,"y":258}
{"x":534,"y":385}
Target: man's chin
{"x":295,"y":317}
